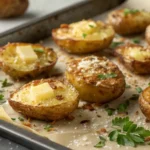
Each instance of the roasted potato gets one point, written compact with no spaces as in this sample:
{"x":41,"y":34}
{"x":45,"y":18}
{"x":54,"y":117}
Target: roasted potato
{"x":16,"y":67}
{"x":97,"y":79}
{"x":147,"y":34}
{"x":144,"y":102}
{"x":46,"y":104}
{"x":84,"y":36}
{"x":135,"y":57}
{"x":12,"y":8}
{"x":129,"y":21}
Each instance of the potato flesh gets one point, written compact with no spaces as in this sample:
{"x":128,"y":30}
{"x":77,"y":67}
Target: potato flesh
{"x":67,"y":92}
{"x":11,"y":59}
{"x":86,"y":30}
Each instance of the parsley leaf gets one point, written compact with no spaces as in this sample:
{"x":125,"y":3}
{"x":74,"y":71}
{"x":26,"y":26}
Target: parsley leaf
{"x":110,"y":111}
{"x":128,"y":86}
{"x":148,"y":84}
{"x":13,"y":119}
{"x":21,"y":119}
{"x":107,"y":76}
{"x":115,"y":44}
{"x":48,"y":127}
{"x":123,"y":107}
{"x":5,"y":83}
{"x":1,"y":97}
{"x":39,"y":50}
{"x":91,"y":26}
{"x":101,"y":143}
{"x":136,"y":41}
{"x":130,"y":11}
{"x":84,"y":35}
{"x":139,"y":89}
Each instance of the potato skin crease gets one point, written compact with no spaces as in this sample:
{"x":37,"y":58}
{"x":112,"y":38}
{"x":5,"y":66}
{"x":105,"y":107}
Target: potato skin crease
{"x":41,"y":112}
{"x":136,"y":66}
{"x":107,"y":90}
{"x":144,"y":102}
{"x":130,"y":23}
{"x":79,"y":45}
{"x":13,"y":8}
{"x":20,"y":74}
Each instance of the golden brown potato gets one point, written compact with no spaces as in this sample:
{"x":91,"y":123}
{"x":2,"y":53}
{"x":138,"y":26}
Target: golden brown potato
{"x":147,"y":34}
{"x":46,"y":104}
{"x":12,"y":8}
{"x":16,"y":67}
{"x":96,"y":78}
{"x":84,"y":36}
{"x":144,"y":102}
{"x":129,"y":21}
{"x":135,"y":57}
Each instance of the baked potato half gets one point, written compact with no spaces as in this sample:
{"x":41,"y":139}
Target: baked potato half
{"x":17,"y":61}
{"x":45,"y":99}
{"x":144,"y":102}
{"x":135,"y":57}
{"x":97,"y":79}
{"x":129,"y":21}
{"x":85,"y":36}
{"x":12,"y":8}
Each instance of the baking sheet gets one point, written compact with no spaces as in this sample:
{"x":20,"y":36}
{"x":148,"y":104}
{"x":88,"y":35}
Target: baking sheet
{"x":73,"y":133}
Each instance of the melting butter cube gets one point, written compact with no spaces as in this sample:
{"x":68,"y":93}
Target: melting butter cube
{"x":41,"y":92}
{"x":26,"y":53}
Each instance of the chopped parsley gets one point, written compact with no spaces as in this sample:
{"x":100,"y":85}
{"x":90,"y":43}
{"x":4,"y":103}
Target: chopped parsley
{"x":110,"y":111}
{"x":101,"y":143}
{"x":115,"y":44}
{"x":1,"y":97}
{"x":13,"y":119}
{"x":122,"y":108}
{"x":148,"y":84}
{"x":39,"y":50}
{"x":128,"y":86}
{"x":5,"y":83}
{"x":136,"y":41}
{"x":139,"y":89}
{"x":21,"y":119}
{"x":84,"y":35}
{"x":127,"y":132}
{"x":130,"y":11}
{"x":48,"y":127}
{"x":91,"y":26}
{"x":107,"y":76}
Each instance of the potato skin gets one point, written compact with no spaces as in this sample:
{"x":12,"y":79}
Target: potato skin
{"x":80,"y":45}
{"x":105,"y":91}
{"x":144,"y":102}
{"x":42,"y":112}
{"x":20,"y":74}
{"x":136,"y":66}
{"x":147,"y":34}
{"x":131,"y":23}
{"x":12,"y":8}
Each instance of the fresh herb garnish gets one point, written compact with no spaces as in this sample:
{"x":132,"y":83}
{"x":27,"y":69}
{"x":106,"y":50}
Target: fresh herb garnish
{"x":1,"y":97}
{"x":128,"y":86}
{"x":139,"y":89}
{"x":101,"y":143}
{"x":13,"y":119}
{"x":110,"y":111}
{"x":127,"y":132}
{"x":107,"y":76}
{"x":21,"y":119}
{"x":123,"y":107}
{"x":39,"y":50}
{"x":115,"y":44}
{"x":5,"y":83}
{"x":136,"y":41}
{"x":91,"y":26}
{"x":48,"y":127}
{"x":84,"y":35}
{"x":130,"y":11}
{"x":148,"y":84}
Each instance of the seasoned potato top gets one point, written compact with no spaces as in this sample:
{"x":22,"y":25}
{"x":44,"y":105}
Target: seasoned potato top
{"x":9,"y":57}
{"x":146,"y":94}
{"x":125,"y":15}
{"x":85,"y":30}
{"x":135,"y":52}
{"x":95,"y":70}
{"x":45,"y":92}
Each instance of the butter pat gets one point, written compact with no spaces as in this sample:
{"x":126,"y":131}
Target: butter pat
{"x":41,"y":92}
{"x":26,"y":53}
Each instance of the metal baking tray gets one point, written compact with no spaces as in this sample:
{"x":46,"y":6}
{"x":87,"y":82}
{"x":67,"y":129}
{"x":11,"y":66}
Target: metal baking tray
{"x":37,"y":30}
